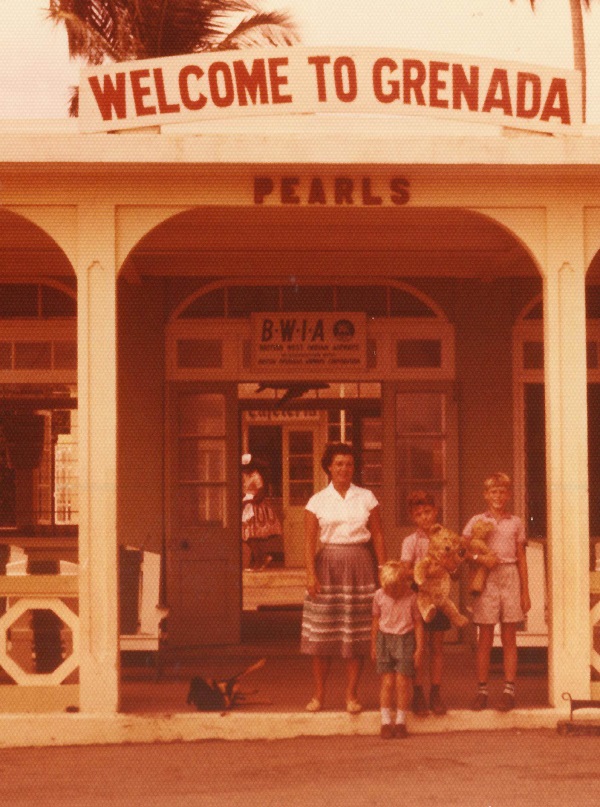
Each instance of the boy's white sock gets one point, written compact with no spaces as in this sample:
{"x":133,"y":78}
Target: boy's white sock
{"x":386,"y":715}
{"x":400,"y":717}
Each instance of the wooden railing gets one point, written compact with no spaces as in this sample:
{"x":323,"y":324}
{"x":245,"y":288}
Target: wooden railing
{"x":32,"y":690}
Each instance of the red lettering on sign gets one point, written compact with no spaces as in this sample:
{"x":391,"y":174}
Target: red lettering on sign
{"x":343,"y":190}
{"x":533,"y":82}
{"x":316,"y":194}
{"x":399,"y":187}
{"x":110,"y":96}
{"x":367,"y":196}
{"x":184,"y":88}
{"x":263,"y":186}
{"x":498,"y":82}
{"x":436,"y":84}
{"x":319,"y":62}
{"x":393,"y":93}
{"x":163,"y":105}
{"x":278,"y":81}
{"x":557,"y":94}
{"x":345,"y":65}
{"x":288,"y":187}
{"x":224,"y":96}
{"x":140,"y":92}
{"x":253,"y":82}
{"x":467,"y":88}
{"x":414,"y":75}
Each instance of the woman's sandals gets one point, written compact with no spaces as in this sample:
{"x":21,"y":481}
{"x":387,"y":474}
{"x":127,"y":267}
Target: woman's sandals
{"x":314,"y":705}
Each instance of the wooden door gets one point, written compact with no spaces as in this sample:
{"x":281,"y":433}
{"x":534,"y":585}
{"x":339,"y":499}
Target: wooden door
{"x":204,"y":556}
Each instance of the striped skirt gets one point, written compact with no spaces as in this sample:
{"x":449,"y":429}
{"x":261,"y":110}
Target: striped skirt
{"x":337,"y":621}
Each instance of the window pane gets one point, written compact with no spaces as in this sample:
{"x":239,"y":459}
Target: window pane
{"x":33,"y":355}
{"x":404,"y":304}
{"x":65,"y":355}
{"x":201,"y":460}
{"x":419,"y":412}
{"x":370,"y":299}
{"x":202,"y":415}
{"x":199,"y":504}
{"x":301,"y":468}
{"x":211,"y":304}
{"x":372,"y":433}
{"x":535,"y":460}
{"x":18,"y":300}
{"x":533,"y":355}
{"x":307,"y":298}
{"x":5,"y":355}
{"x":372,"y":470}
{"x":57,"y":303}
{"x":420,"y":458}
{"x":242,"y":300}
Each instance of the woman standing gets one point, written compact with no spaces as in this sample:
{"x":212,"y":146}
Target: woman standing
{"x":339,"y":523}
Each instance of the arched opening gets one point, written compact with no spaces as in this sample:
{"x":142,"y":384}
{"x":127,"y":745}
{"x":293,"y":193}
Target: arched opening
{"x":438,"y":292}
{"x":38,"y":429}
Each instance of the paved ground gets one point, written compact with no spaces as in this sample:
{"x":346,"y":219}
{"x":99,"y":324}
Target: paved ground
{"x":479,"y":769}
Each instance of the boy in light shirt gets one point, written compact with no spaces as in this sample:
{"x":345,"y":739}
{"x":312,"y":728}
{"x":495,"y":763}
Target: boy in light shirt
{"x":423,"y":513}
{"x":505,"y":597}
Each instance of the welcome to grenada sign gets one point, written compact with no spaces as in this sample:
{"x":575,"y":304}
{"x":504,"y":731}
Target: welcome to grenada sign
{"x":298,"y":80}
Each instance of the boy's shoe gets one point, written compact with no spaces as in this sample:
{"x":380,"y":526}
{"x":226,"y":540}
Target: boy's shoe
{"x":479,"y":703}
{"x":400,"y":732}
{"x":436,"y":704}
{"x":507,"y":702}
{"x":419,"y":704}
{"x":387,"y":731}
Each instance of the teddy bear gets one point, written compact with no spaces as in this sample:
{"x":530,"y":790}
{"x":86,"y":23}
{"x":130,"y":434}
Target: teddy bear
{"x":432,"y":575}
{"x":477,"y":546}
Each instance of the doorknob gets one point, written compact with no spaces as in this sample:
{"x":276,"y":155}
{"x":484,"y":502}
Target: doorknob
{"x":184,"y":545}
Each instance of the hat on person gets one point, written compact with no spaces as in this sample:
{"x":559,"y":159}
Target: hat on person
{"x":250,"y":462}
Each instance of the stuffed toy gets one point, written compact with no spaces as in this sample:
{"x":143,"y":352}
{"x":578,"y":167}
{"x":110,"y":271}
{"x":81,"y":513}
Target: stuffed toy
{"x":477,"y":547}
{"x":432,"y":574}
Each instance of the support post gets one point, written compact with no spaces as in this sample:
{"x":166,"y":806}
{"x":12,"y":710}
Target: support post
{"x":98,"y":596}
{"x":565,"y":369}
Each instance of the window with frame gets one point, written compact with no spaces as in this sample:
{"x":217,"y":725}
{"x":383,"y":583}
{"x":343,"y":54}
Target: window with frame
{"x":420,"y":448}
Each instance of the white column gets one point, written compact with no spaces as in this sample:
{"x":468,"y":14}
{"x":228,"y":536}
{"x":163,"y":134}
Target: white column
{"x":96,"y":287}
{"x":567,"y":454}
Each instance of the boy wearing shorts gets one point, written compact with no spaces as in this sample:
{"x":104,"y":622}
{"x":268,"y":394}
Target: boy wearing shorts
{"x":423,"y":513}
{"x":396,"y":643}
{"x":505,"y":597}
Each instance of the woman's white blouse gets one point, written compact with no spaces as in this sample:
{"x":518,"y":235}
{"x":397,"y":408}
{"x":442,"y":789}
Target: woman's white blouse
{"x":343,"y":520}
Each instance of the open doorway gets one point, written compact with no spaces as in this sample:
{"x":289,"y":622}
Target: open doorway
{"x":283,"y":436}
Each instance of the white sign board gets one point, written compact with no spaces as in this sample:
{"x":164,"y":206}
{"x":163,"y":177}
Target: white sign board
{"x":295,"y":340}
{"x":298,"y":80}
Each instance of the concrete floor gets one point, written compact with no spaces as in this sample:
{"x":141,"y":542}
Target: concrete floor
{"x":284,"y":683}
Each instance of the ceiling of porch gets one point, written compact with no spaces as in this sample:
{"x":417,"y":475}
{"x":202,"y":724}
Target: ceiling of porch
{"x":330,"y":242}
{"x":27,"y":251}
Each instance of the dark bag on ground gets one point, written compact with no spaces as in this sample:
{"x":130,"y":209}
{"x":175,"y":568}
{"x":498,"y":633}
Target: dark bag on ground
{"x":206,"y":696}
{"x":211,"y":695}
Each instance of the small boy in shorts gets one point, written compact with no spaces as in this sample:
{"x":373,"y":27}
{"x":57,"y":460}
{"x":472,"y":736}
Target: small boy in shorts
{"x":423,"y":513}
{"x":396,"y":643}
{"x":505,"y":597}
